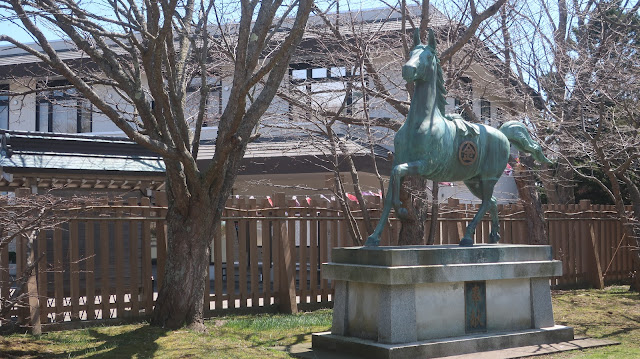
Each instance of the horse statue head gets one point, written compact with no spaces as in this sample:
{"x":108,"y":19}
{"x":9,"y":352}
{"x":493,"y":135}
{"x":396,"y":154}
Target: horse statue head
{"x":423,"y":65}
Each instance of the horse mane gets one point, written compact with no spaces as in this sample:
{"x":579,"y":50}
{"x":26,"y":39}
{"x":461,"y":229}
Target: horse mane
{"x":441,"y":92}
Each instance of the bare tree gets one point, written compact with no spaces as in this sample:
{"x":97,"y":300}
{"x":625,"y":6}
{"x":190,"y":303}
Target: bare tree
{"x":22,"y":218}
{"x":582,"y":57}
{"x":151,"y":54}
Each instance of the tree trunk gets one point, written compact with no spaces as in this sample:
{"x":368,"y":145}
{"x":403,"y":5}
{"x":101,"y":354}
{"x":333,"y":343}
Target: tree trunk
{"x":435,"y":203}
{"x":181,"y":297}
{"x":525,"y":182}
{"x":412,"y":196}
{"x":558,"y":184}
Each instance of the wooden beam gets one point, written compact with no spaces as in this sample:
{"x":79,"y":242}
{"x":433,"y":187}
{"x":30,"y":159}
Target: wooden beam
{"x":6,"y":176}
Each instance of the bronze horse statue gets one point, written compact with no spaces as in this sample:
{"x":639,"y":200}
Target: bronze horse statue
{"x":447,"y":148}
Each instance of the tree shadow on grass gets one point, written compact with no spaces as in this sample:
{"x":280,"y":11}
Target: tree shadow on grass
{"x":274,"y":343}
{"x":140,"y":343}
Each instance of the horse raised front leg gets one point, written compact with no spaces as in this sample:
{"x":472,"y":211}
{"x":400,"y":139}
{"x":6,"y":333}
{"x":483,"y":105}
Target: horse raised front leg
{"x":374,"y":239}
{"x":393,"y":197}
{"x":398,"y":174}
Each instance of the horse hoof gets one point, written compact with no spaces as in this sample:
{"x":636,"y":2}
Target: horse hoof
{"x":403,"y":213}
{"x":372,"y":242}
{"x":466,"y":242}
{"x":494,"y":238}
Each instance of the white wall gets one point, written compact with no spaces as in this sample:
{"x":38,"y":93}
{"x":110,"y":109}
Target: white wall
{"x":100,"y":122}
{"x":22,"y":109}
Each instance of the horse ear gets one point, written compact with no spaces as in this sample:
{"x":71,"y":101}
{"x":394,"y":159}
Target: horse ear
{"x":416,"y":37}
{"x":432,"y":40}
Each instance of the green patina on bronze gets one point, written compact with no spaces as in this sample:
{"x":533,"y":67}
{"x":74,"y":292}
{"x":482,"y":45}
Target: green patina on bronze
{"x":447,"y":148}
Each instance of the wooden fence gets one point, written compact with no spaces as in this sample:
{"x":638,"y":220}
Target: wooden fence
{"x":109,"y":261}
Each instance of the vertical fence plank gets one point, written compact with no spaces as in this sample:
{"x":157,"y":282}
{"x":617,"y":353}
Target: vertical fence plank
{"x":253,"y":253}
{"x":230,"y":262}
{"x":595,"y":266}
{"x":134,"y":242}
{"x":21,"y":266}
{"x":242,"y":253}
{"x":90,"y":267}
{"x":611,"y":249}
{"x":4,"y":272}
{"x":42,"y":275}
{"x":147,"y":269}
{"x":74,"y":270}
{"x":616,"y":254}
{"x":577,"y":244}
{"x":584,"y":240}
{"x":617,"y":261}
{"x":303,"y":259}
{"x":564,"y":234}
{"x":338,"y":229}
{"x":58,"y":278}
{"x":217,"y":266}
{"x":323,"y":243}
{"x":266,"y":256}
{"x":275,"y":253}
{"x":508,"y":225}
{"x":207,"y":284}
{"x":161,"y":237}
{"x":560,"y":243}
{"x":119,"y":258}
{"x":313,"y":254}
{"x":291,"y":242}
{"x":602,"y":239}
{"x":551,"y":235}
{"x":105,"y":267}
{"x":287,"y":290}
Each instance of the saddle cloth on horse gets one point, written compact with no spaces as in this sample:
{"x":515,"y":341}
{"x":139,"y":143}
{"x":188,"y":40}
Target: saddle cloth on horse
{"x":463,"y":127}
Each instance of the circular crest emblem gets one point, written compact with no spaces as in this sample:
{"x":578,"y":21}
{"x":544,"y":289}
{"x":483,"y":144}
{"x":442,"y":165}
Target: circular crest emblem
{"x":467,"y":153}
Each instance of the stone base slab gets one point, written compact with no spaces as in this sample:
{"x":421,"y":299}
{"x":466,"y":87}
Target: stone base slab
{"x":441,"y":347}
{"x":305,"y":351}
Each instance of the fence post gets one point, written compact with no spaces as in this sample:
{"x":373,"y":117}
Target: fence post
{"x":134,"y":257}
{"x":32,"y":283}
{"x":161,"y":238}
{"x":287,"y":290}
{"x":147,"y":272}
{"x":458,"y":215}
{"x":590,"y":252}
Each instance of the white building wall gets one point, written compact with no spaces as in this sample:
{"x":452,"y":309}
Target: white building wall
{"x":22,"y":109}
{"x":100,"y":122}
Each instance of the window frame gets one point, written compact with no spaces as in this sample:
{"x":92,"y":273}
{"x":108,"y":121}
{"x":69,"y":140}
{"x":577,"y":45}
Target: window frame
{"x":47,"y":94}
{"x":485,"y":110}
{"x":5,"y":102}
{"x":333,"y":73}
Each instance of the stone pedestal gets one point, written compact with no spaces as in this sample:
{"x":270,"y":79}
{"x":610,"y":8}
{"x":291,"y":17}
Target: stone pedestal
{"x":431,"y":301}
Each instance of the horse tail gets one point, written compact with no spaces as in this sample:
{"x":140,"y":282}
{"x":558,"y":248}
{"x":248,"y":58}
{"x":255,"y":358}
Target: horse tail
{"x":518,"y":135}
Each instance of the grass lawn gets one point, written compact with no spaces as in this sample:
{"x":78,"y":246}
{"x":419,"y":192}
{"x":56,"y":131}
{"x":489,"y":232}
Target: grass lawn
{"x":612,"y":313}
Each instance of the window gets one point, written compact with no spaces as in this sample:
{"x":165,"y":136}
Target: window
{"x":328,"y":87}
{"x":62,"y":110}
{"x":485,"y":110}
{"x":4,"y":107}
